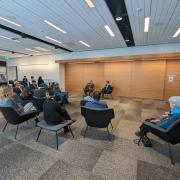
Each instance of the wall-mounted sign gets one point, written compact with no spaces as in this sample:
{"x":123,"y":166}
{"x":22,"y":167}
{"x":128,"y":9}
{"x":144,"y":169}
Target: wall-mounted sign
{"x":170,"y":78}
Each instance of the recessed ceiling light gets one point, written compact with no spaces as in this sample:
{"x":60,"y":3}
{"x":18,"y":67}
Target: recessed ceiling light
{"x":176,"y":33}
{"x":31,"y":50}
{"x":146,"y":24}
{"x":41,"y":49}
{"x":9,"y":21}
{"x":109,"y":30}
{"x":9,"y":38}
{"x":127,"y":40}
{"x":54,"y":26}
{"x":82,"y":42}
{"x":119,"y":18}
{"x":90,"y":3}
{"x":52,"y":39}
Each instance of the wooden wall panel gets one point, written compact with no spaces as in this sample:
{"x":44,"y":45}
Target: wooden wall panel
{"x":119,"y":75}
{"x":148,"y":79}
{"x":172,"y":88}
{"x":77,"y":75}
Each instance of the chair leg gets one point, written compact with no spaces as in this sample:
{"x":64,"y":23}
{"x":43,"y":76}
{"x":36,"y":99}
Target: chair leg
{"x":16,"y":131}
{"x":56,"y":141}
{"x":108,"y":134}
{"x":85,"y":131}
{"x":171,"y":155}
{"x":5,"y":126}
{"x":71,"y":131}
{"x":111,"y":125}
{"x":38,"y":134}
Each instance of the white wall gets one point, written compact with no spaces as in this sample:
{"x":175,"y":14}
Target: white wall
{"x":151,"y":49}
{"x":36,"y":66}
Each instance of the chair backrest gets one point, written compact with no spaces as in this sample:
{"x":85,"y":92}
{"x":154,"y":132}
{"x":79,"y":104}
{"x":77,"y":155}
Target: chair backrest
{"x":174,"y":132}
{"x":10,"y":115}
{"x":39,"y":103}
{"x":97,"y":117}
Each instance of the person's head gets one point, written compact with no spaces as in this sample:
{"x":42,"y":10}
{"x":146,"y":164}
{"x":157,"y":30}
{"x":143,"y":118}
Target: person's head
{"x":91,"y":81}
{"x":96,"y":95}
{"x":33,"y":82}
{"x":17,"y":84}
{"x":51,"y":93}
{"x":24,"y":76}
{"x":6,"y":91}
{"x":32,"y":77}
{"x":107,"y":82}
{"x":40,"y":78}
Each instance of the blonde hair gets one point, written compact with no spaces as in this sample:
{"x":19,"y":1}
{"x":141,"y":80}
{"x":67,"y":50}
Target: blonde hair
{"x":6,"y":91}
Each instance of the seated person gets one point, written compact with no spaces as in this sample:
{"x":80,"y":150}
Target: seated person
{"x":59,"y":95}
{"x":26,"y":94}
{"x":39,"y":93}
{"x":25,"y":81}
{"x":41,"y":83}
{"x":17,"y":87}
{"x":6,"y":100}
{"x":174,"y":100}
{"x":94,"y":102}
{"x":107,"y":89}
{"x":89,"y":88}
{"x":33,"y":86}
{"x":53,"y":112}
{"x":165,"y":122}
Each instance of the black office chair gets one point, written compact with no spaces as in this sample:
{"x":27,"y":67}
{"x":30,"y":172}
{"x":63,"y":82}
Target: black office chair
{"x":38,"y":102}
{"x":15,"y":118}
{"x":171,"y":135}
{"x":99,"y":118}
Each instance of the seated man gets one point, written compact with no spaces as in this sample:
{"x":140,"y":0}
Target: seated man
{"x":107,"y":89}
{"x":59,"y":95}
{"x":17,"y":88}
{"x":89,"y":88}
{"x":33,"y":86}
{"x":94,"y":102}
{"x":165,"y":122}
{"x":53,"y":112}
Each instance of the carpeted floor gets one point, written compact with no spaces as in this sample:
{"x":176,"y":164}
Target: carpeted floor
{"x":93,"y":157}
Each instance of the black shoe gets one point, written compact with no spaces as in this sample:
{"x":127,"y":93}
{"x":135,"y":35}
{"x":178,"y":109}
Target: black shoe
{"x":138,"y":133}
{"x":36,"y":120}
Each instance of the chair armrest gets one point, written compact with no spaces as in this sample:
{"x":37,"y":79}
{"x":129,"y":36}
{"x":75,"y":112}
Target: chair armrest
{"x":155,"y":126}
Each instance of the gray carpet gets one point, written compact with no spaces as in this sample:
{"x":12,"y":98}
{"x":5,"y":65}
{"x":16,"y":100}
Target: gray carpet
{"x":93,"y":157}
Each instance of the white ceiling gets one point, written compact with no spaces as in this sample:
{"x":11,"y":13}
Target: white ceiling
{"x":86,"y":24}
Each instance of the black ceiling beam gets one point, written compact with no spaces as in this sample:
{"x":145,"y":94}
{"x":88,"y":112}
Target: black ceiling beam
{"x":24,"y":35}
{"x":14,"y":52}
{"x":118,"y":9}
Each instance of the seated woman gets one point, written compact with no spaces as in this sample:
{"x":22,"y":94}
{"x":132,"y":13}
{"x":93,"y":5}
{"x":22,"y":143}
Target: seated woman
{"x":95,"y":101}
{"x":6,"y":100}
{"x":107,"y":89}
{"x":165,"y":122}
{"x":41,"y":83}
{"x":53,"y":112}
{"x":26,"y":94}
{"x":89,"y":88}
{"x":59,"y":95}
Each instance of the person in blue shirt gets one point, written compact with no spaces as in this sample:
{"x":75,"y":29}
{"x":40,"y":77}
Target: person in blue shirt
{"x":95,"y":101}
{"x":59,"y":95}
{"x":6,"y":96}
{"x":165,"y":122}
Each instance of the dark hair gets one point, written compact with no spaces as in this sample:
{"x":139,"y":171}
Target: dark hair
{"x":40,"y":78}
{"x":96,"y":95}
{"x":107,"y":82}
{"x":33,"y":81}
{"x":32,"y":77}
{"x":51,"y":93}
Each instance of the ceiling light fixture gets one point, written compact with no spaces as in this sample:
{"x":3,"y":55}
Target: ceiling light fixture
{"x":82,"y":42}
{"x":119,"y":18}
{"x":9,"y":21}
{"x":176,"y":33}
{"x":54,"y":26}
{"x":90,"y":3}
{"x":127,"y":40}
{"x":146,"y":24}
{"x":50,"y":38}
{"x":31,"y":50}
{"x":108,"y":29}
{"x":41,"y":49}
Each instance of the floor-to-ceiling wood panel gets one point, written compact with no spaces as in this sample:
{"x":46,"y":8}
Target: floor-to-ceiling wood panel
{"x":119,"y":75}
{"x":148,"y":79}
{"x":172,"y":88}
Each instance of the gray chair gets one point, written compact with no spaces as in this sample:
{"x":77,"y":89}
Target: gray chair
{"x":54,"y":128}
{"x":171,"y":135}
{"x":99,"y":118}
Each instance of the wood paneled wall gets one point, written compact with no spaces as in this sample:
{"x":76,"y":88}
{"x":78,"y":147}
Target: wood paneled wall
{"x":142,"y":79}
